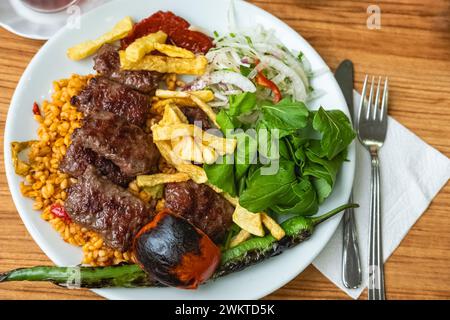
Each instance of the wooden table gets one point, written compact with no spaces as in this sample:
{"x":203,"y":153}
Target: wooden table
{"x":412,"y":48}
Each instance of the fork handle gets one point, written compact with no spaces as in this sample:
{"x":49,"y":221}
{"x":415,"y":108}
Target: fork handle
{"x":376,"y":268}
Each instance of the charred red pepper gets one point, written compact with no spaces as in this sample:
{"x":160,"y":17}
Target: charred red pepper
{"x":59,"y":211}
{"x":176,"y":29}
{"x":175,"y":252}
{"x":36,"y":110}
{"x":262,"y":80}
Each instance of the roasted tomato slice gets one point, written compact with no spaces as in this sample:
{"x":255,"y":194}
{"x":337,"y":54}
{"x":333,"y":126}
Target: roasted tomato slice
{"x":194,"y":41}
{"x":165,"y":21}
{"x":176,"y":29}
{"x":175,"y":252}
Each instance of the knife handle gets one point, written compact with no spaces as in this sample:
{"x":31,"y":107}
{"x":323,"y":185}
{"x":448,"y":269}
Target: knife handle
{"x":351,"y":265}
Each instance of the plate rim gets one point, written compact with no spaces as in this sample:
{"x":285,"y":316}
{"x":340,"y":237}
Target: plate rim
{"x":35,"y":233}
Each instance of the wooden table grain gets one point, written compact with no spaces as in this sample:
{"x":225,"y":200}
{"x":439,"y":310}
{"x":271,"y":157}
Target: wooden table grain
{"x":412,"y":47}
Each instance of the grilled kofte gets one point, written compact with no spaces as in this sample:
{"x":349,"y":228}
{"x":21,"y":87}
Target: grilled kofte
{"x":98,"y":204}
{"x":202,"y":206}
{"x":107,"y":63}
{"x":102,"y":94}
{"x":126,"y":145}
{"x":78,"y":158}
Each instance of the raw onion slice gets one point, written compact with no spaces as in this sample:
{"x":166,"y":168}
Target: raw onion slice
{"x":234,"y":78}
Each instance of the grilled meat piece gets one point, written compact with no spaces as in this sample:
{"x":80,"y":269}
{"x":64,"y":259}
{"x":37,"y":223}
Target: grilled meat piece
{"x":126,"y":145}
{"x":202,"y":206}
{"x":194,"y":114}
{"x":107,"y":63}
{"x":99,"y":205}
{"x":102,"y":94}
{"x":78,"y":158}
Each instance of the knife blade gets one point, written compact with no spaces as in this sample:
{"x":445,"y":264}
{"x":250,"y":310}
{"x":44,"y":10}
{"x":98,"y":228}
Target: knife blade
{"x":351,"y":264}
{"x":344,"y":77}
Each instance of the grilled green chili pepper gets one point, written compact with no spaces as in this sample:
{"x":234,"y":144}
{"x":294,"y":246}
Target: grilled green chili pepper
{"x":126,"y":276}
{"x":249,"y":252}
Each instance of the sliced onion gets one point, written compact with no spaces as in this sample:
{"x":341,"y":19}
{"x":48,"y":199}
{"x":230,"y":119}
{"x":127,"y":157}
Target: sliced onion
{"x":231,"y":92}
{"x":198,"y":84}
{"x":218,"y":103}
{"x":291,"y":60}
{"x":233,"y":78}
{"x":297,"y":83}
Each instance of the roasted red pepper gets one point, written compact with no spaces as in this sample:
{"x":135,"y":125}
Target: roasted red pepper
{"x":59,"y":211}
{"x":176,"y":29}
{"x":36,"y":110}
{"x":263,"y":81}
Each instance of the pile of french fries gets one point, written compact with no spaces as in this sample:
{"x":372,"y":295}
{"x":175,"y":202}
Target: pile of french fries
{"x":137,"y":55}
{"x":187,"y":142}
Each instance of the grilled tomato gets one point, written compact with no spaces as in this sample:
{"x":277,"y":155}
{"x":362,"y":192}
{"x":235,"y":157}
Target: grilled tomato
{"x":175,"y":252}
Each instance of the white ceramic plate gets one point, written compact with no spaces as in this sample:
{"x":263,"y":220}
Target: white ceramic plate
{"x":51,"y":63}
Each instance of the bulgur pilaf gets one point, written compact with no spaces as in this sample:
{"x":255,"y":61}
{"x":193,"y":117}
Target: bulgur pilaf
{"x":46,"y":185}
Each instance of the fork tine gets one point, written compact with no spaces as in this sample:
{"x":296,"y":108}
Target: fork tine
{"x":369,"y":102}
{"x":376,"y":104}
{"x":384,"y":101}
{"x":362,"y":105}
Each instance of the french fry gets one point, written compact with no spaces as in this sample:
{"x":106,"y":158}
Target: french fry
{"x":173,"y":131}
{"x":206,"y":109}
{"x":183,"y":102}
{"x":196,"y":173}
{"x":233,"y":200}
{"x":248,"y":221}
{"x":160,"y":178}
{"x":275,"y":229}
{"x":209,"y":154}
{"x":188,"y":149}
{"x":172,"y":115}
{"x":173,"y":51}
{"x":195,"y":66}
{"x":89,"y":47}
{"x":140,"y":47}
{"x":239,"y":238}
{"x":221,"y":145}
{"x":198,"y":97}
{"x":165,"y":149}
{"x":205,"y":95}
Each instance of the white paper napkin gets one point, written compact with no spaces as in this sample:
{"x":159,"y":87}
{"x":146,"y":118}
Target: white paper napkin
{"x":412,"y":173}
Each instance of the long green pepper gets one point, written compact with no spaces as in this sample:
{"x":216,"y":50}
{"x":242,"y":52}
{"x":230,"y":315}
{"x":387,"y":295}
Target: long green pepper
{"x":249,"y":252}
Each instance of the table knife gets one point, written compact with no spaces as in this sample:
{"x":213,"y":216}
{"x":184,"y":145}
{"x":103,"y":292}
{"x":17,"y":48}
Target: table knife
{"x":351,"y":264}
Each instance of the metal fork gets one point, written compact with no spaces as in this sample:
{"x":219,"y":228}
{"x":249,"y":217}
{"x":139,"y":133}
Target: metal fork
{"x":372,"y":127}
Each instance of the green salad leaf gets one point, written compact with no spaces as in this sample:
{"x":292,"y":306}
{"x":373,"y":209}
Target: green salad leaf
{"x":242,"y":103}
{"x":225,"y":121}
{"x":322,"y":170}
{"x":263,"y":190}
{"x":222,"y":175}
{"x":246,"y":154}
{"x":301,"y":200}
{"x":286,"y":115}
{"x":337,"y":132}
{"x":309,"y":148}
